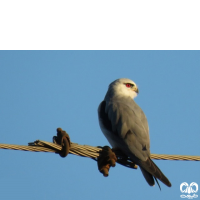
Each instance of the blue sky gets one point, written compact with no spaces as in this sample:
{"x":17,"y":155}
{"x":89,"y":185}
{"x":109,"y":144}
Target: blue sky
{"x":43,"y":90}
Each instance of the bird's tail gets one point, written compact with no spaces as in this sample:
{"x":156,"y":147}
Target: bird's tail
{"x":151,"y":171}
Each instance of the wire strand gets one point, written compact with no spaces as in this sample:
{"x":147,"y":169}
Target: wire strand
{"x":84,"y":150}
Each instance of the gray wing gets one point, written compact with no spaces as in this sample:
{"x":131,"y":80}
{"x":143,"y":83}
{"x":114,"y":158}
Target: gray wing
{"x":125,"y":125}
{"x":129,"y":125}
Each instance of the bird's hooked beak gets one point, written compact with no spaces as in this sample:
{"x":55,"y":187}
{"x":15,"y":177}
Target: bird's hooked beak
{"x":136,"y":90}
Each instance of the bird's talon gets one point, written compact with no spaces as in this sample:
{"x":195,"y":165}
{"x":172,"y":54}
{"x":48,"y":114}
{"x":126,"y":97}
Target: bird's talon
{"x":106,"y":159}
{"x":112,"y":162}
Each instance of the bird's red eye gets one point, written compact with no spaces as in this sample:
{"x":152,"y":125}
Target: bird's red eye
{"x":129,"y":85}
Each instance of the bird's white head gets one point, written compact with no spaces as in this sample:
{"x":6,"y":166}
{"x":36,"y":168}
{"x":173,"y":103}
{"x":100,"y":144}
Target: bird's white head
{"x":123,"y":87}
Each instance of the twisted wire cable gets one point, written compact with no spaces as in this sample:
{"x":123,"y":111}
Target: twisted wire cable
{"x":84,"y":150}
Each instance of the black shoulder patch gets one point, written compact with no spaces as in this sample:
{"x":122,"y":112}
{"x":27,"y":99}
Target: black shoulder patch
{"x":104,"y":116}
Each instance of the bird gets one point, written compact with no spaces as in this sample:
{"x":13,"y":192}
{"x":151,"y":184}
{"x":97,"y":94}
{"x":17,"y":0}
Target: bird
{"x":125,"y":126}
